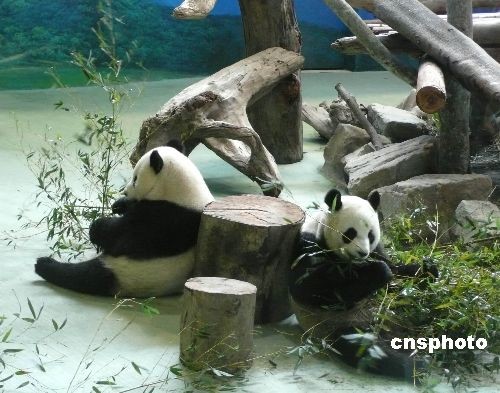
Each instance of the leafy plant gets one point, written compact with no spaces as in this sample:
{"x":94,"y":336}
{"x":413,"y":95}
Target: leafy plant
{"x":462,"y":302}
{"x":77,"y":184}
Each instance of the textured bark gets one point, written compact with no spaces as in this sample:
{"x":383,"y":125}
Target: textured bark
{"x":353,"y":105}
{"x":194,"y":9}
{"x":431,"y":89}
{"x":438,"y":6}
{"x":213,"y":112}
{"x":446,"y":45}
{"x":319,"y":119}
{"x":486,"y":33}
{"x":373,"y":46}
{"x":251,"y":238}
{"x":276,"y":117}
{"x":217,"y":324}
{"x":454,"y":144}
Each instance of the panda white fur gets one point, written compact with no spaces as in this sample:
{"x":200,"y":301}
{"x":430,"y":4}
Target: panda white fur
{"x":148,"y":250}
{"x":333,"y":270}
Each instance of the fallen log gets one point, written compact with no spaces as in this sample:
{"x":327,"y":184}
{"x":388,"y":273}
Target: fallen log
{"x":377,"y":51}
{"x":353,"y":105}
{"x":438,"y":6}
{"x":431,"y":89}
{"x":194,"y":9}
{"x":319,"y":119}
{"x":213,"y":112}
{"x":446,"y":45}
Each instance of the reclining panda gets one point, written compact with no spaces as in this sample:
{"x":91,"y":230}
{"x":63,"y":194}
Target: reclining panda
{"x":149,"y":249}
{"x":333,"y":273}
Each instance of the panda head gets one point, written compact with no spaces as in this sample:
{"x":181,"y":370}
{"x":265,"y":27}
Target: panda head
{"x":166,"y":174}
{"x":351,"y":227}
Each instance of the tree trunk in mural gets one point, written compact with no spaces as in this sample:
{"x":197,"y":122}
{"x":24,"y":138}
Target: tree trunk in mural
{"x":276,"y":117}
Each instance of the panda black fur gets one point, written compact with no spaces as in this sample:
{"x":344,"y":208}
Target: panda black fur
{"x":148,"y":250}
{"x":333,"y":271}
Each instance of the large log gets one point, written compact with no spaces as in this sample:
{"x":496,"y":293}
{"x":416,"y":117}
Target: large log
{"x":217,"y":324}
{"x":454,"y":144}
{"x":438,"y":6}
{"x":251,"y":238}
{"x":449,"y":47}
{"x":431,"y":88}
{"x":213,"y":112}
{"x":276,"y":117}
{"x":379,"y":52}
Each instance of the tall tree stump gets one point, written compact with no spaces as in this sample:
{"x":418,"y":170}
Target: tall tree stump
{"x":251,"y":238}
{"x":276,"y":117}
{"x":217,"y":324}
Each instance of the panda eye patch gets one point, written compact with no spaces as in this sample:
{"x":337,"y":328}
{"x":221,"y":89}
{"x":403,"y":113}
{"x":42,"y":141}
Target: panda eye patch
{"x":349,"y":235}
{"x":371,"y":237}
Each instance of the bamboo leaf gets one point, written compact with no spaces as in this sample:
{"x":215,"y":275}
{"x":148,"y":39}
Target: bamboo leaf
{"x":31,"y":308}
{"x":6,"y":335}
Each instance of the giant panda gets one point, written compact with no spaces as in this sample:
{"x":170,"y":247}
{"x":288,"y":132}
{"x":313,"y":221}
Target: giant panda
{"x":148,"y":249}
{"x":340,"y":264}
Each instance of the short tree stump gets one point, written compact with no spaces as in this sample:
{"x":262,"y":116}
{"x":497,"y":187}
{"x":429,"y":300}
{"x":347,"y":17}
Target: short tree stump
{"x":217,"y":324}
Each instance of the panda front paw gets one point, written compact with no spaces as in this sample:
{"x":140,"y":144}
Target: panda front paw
{"x":121,"y":205}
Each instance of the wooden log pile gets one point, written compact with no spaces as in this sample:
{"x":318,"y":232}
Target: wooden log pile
{"x":447,"y":46}
{"x":486,"y":33}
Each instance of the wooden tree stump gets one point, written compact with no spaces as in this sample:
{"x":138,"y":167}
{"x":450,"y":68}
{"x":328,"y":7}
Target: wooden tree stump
{"x":251,"y":238}
{"x":217,"y":324}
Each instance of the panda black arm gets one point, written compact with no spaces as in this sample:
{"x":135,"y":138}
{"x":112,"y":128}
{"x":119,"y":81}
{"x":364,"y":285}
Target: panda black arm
{"x":148,"y":229}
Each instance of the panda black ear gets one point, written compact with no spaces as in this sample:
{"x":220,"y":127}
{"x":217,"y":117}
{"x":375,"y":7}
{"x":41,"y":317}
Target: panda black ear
{"x":374,"y":199}
{"x":156,"y":161}
{"x":333,"y":197}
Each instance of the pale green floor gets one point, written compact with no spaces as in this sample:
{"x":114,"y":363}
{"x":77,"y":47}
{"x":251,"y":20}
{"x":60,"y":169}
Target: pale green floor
{"x":97,"y":343}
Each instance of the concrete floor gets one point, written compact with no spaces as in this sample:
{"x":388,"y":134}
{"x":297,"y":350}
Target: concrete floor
{"x":106,"y":348}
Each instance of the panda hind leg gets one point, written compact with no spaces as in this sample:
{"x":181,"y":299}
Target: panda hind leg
{"x":90,"y":277}
{"x":389,"y":362}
